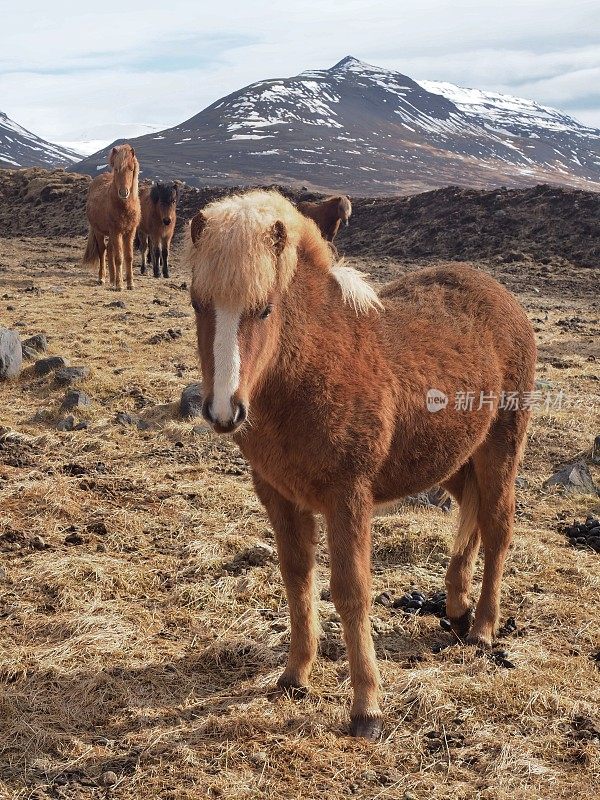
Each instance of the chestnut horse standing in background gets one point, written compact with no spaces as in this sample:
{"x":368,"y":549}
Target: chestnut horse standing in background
{"x":334,"y":380}
{"x":328,"y":214}
{"x":113,"y":211}
{"x":157,"y":226}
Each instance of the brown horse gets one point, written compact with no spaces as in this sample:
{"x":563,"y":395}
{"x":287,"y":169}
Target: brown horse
{"x":336,"y":382}
{"x":113,"y":211}
{"x":328,"y":214}
{"x":157,"y":225}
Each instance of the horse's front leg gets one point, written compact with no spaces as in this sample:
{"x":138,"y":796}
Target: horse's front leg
{"x":128,"y":240}
{"x":165,"y":260}
{"x":117,"y":278}
{"x":296,"y":537}
{"x":349,"y":536}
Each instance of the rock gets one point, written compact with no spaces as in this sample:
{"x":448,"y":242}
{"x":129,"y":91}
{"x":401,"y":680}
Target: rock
{"x":255,"y":556}
{"x":11,"y":354}
{"x":574,"y":478}
{"x":74,"y":537}
{"x":38,"y":543}
{"x":167,"y":336}
{"x":596,"y":450}
{"x":29,"y":353}
{"x":47,"y":365}
{"x":37,"y":342}
{"x":82,"y":426}
{"x":69,"y":375}
{"x":190,"y":404}
{"x":385,"y":598}
{"x":66,"y":424}
{"x":116,"y":304}
{"x":126,"y":418}
{"x":76,"y":399}
{"x":108,"y":778}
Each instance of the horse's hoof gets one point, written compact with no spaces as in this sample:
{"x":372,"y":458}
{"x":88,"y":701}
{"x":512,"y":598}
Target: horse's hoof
{"x":130,"y":285}
{"x":462,"y":625}
{"x":480,"y":642}
{"x":292,"y":688}
{"x":143,"y":271}
{"x":369,"y":728}
{"x":156,"y":274}
{"x":100,"y":282}
{"x":165,"y":274}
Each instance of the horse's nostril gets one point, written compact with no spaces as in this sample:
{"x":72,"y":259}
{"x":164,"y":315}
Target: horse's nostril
{"x":207,"y":411}
{"x":240,"y":414}
{"x":166,"y":221}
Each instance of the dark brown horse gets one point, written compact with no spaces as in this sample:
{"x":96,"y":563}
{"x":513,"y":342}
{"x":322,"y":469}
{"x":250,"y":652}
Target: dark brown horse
{"x":353,"y":400}
{"x":113,"y":212}
{"x":329,"y":214}
{"x":157,"y":225}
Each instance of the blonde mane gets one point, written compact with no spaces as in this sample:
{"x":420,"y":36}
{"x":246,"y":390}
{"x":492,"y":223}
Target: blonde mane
{"x":248,"y":244}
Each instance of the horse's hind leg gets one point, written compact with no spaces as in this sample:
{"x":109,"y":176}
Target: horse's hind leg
{"x":102,"y":256}
{"x":496,"y":464}
{"x":349,"y":536}
{"x":143,"y":240}
{"x":296,"y":536}
{"x":459,"y":574}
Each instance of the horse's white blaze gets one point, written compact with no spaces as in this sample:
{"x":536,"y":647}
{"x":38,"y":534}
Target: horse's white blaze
{"x":355,"y":290}
{"x":226,"y":350}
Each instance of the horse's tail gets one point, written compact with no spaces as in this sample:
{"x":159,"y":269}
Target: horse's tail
{"x":468,"y":511}
{"x":91,"y":256}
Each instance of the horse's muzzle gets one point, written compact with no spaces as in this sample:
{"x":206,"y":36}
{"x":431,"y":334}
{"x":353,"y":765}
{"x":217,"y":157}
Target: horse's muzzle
{"x":124,"y":194}
{"x":239,"y":416}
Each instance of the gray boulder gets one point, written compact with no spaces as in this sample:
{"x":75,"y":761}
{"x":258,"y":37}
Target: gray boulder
{"x":37,"y":342}
{"x":11,"y":354}
{"x":46,"y":365}
{"x":68,"y":375}
{"x":574,"y":478}
{"x":190,"y":404}
{"x":76,"y":399}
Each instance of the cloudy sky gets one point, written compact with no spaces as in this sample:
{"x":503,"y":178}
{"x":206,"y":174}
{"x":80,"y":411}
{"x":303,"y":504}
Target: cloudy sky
{"x":69,"y":73}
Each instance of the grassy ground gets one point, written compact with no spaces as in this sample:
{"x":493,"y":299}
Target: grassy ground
{"x":146,"y":650}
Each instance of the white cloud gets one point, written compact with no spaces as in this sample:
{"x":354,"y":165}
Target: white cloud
{"x":64,"y":71}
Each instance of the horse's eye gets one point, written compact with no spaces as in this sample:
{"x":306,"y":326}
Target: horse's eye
{"x":266,"y":311}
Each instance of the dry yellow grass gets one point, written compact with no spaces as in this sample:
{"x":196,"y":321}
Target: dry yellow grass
{"x":138,"y":652}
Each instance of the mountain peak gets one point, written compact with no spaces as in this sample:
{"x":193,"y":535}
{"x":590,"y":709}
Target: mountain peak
{"x":351,"y":64}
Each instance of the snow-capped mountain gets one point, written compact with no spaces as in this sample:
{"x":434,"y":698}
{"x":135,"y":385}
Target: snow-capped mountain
{"x":370,"y":131}
{"x":21,"y":148}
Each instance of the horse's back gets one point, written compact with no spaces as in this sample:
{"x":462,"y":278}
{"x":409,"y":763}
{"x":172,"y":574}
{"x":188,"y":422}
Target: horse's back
{"x":458,"y":298}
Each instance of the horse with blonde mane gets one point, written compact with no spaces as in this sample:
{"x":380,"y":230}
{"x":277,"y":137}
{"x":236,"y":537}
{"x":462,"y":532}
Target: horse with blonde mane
{"x":324,"y":385}
{"x":113,"y":212}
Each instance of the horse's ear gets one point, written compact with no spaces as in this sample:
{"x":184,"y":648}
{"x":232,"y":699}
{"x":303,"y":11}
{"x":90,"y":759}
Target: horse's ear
{"x":132,"y":151}
{"x":111,"y":160}
{"x":278,"y":237}
{"x":197,"y":226}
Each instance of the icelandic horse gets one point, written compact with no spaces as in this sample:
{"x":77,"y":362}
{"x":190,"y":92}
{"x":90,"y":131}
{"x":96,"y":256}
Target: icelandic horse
{"x":329,"y":214}
{"x":323,"y":384}
{"x":157,"y":226}
{"x":113,"y":212}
